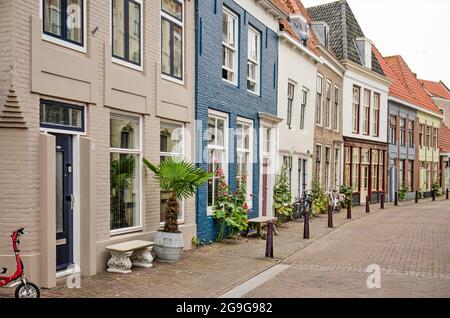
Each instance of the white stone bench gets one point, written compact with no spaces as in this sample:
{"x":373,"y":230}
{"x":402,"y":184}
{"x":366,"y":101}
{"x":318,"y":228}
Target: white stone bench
{"x":133,"y":253}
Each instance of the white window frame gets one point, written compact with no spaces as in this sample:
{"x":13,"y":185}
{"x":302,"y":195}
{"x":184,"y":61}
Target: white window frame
{"x":319,"y":108}
{"x":337,"y":108}
{"x":222,"y":116}
{"x":366,"y":110}
{"x":249,"y":123}
{"x":119,"y":61}
{"x":337,"y":174}
{"x":235,"y":49}
{"x":303,"y":105}
{"x":181,"y":25}
{"x":290,"y":107}
{"x":139,"y":170}
{"x":319,"y":177}
{"x":328,"y":168}
{"x":256,"y":62}
{"x":51,"y":39}
{"x":180,"y":155}
{"x":328,"y":104}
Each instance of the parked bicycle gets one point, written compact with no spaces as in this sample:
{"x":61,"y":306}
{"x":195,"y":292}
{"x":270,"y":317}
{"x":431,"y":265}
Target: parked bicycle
{"x":25,"y":288}
{"x":301,"y":206}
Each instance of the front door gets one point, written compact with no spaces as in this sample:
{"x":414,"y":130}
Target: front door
{"x":64,"y":201}
{"x":264,"y":187}
{"x":364,"y":183}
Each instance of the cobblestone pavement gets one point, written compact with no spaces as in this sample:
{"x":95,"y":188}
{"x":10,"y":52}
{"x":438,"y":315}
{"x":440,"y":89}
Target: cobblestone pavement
{"x":409,"y":242}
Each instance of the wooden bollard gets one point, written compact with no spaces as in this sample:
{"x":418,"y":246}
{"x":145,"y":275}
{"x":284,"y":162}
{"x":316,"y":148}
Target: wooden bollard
{"x":367,"y":204}
{"x":396,"y":199}
{"x":330,"y":216}
{"x":382,"y":200}
{"x":446,"y":194}
{"x":306,"y":226}
{"x":433,"y":195}
{"x":417,"y":196}
{"x":269,"y":240}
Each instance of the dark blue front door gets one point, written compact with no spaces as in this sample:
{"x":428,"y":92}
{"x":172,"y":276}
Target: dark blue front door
{"x":64,"y":201}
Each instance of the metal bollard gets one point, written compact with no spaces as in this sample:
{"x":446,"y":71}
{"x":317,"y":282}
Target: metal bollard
{"x":382,"y":200}
{"x":330,"y":216}
{"x":349,"y":209}
{"x":396,"y":199}
{"x":446,"y":194}
{"x":433,"y":194}
{"x":367,"y":204}
{"x":306,"y":226}
{"x":417,"y":196}
{"x":269,"y":240}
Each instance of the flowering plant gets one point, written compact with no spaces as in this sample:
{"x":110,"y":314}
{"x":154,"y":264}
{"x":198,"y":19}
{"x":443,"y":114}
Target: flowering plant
{"x":230,"y":209}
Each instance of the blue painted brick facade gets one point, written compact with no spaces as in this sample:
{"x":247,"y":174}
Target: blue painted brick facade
{"x":213,"y":93}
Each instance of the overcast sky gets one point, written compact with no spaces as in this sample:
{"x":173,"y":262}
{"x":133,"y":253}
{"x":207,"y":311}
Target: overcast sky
{"x":418,"y":30}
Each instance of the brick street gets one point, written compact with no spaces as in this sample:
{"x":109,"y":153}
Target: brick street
{"x":410,"y":243}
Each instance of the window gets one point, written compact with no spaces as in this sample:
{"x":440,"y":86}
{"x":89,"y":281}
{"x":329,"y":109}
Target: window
{"x":393,"y":129}
{"x":401,"y":172}
{"x":428,"y":176}
{"x":435,"y":138}
{"x":428,"y":136}
{"x":403,"y":132}
{"x":126,"y":31}
{"x":125,"y":167}
{"x":435,"y":172}
{"x":366,"y":112}
{"x":217,"y":154}
{"x":328,"y":106}
{"x":355,"y":169}
{"x":348,"y":167}
{"x":229,"y":46}
{"x":171,"y":146}
{"x":302,"y":176}
{"x":327,"y":167}
{"x":303,"y":108}
{"x":253,"y":77}
{"x":172,"y":38}
{"x":376,"y":115}
{"x":291,"y":92}
{"x":411,"y":175}
{"x":244,"y":143}
{"x":319,"y":100}
{"x":318,"y":163}
{"x":374,"y":169}
{"x":355,"y":109}
{"x":64,"y":20}
{"x":336,"y":109}
{"x":59,"y":115}
{"x":421,"y":137}
{"x":337,"y":154}
{"x":381,"y":171}
{"x":287,"y":161}
{"x":411,"y":134}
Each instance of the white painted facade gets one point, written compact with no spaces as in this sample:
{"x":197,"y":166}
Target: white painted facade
{"x":258,"y":9}
{"x":354,"y":76}
{"x":299,"y":68}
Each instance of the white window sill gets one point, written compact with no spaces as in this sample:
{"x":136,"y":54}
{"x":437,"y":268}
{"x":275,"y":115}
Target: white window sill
{"x":126,"y":231}
{"x":127,"y":64}
{"x":230,"y":82}
{"x":51,"y":39}
{"x":172,"y":79}
{"x":253,"y":93}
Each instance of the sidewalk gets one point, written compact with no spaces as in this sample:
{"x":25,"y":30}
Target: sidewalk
{"x":212,"y":270}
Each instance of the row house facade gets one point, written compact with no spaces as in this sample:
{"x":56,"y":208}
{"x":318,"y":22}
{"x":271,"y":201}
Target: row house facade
{"x":365,"y":90}
{"x":298,"y":62}
{"x":236,"y":102}
{"x":414,"y":122}
{"x":82,"y":104}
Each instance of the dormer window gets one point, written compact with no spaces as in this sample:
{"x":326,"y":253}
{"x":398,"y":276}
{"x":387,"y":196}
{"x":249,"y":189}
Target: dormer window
{"x":322,"y":30}
{"x":364,"y":47}
{"x":301,"y":27}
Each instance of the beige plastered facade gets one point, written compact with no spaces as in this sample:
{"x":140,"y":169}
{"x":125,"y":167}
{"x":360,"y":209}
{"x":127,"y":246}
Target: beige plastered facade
{"x":42,"y":69}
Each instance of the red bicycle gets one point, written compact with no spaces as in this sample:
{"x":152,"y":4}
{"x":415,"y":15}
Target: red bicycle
{"x":25,"y":289}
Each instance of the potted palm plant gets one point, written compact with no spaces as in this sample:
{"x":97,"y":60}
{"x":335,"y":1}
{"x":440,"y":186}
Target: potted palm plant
{"x":180,"y":179}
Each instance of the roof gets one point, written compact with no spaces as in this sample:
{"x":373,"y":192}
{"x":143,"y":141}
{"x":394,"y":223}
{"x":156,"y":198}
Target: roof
{"x":293,"y":7}
{"x":397,"y":89}
{"x":344,"y":29}
{"x":444,"y":138}
{"x":409,"y":81}
{"x":436,"y":89}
